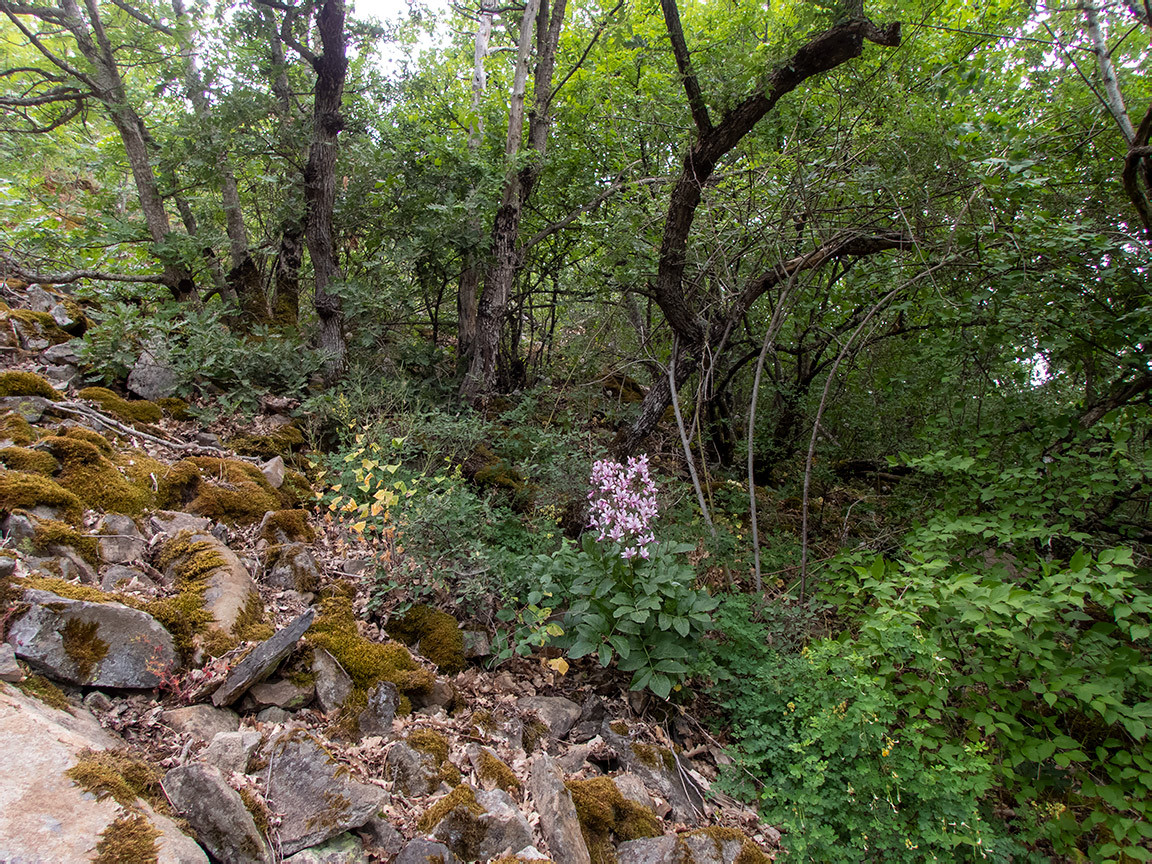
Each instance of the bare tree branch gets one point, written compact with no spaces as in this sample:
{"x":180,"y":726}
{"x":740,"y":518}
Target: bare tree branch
{"x":76,"y":275}
{"x":144,"y":19}
{"x":684,"y":64}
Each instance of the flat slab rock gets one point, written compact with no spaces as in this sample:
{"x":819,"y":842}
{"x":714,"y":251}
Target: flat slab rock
{"x":262,"y":660}
{"x":216,"y":813}
{"x":91,"y":644}
{"x":43,"y":815}
{"x":313,"y":793}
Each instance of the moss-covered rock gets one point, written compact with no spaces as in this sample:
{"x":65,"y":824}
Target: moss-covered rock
{"x":437,"y":634}
{"x":35,"y":325}
{"x":607,"y":818}
{"x":51,"y":533}
{"x":227,"y":490}
{"x":366,"y":662}
{"x":19,"y":490}
{"x":121,"y":775}
{"x":282,"y":442}
{"x":135,"y":412}
{"x":130,"y":839}
{"x":462,"y":796}
{"x":282,"y":526}
{"x":94,"y":478}
{"x":16,"y":429}
{"x":492,"y":771}
{"x":39,"y":687}
{"x":27,"y":384}
{"x":91,"y":436}
{"x":435,"y":745}
{"x":29,"y":461}
{"x":175,"y":408}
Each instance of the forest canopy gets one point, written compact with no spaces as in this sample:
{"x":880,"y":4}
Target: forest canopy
{"x":868,"y":282}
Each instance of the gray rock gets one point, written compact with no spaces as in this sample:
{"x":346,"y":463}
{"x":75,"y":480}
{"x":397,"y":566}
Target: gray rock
{"x":273,"y":471}
{"x":376,"y":719}
{"x":120,"y":540}
{"x":97,"y":701}
{"x":650,"y":765}
{"x":31,"y":408}
{"x":172,"y":522}
{"x":281,"y":693}
{"x":121,"y":578}
{"x":558,"y":821}
{"x":592,"y":715}
{"x":476,"y":644}
{"x":38,"y":300}
{"x":31,"y":335}
{"x":61,"y":375}
{"x":313,"y":793}
{"x":262,"y":660}
{"x":413,"y":772}
{"x":500,"y":828}
{"x":201,"y":721}
{"x":65,"y":320}
{"x":632,"y":788}
{"x":66,"y":353}
{"x":333,"y":684}
{"x":341,"y":849}
{"x":151,"y":379}
{"x":441,"y":695}
{"x":217,"y":814}
{"x":10,"y":670}
{"x":19,"y":528}
{"x":273,"y":714}
{"x":7,"y":566}
{"x":44,"y":816}
{"x":231,"y":751}
{"x":295,"y":569}
{"x":421,"y":851}
{"x":92,"y":644}
{"x":63,"y":562}
{"x":531,"y":853}
{"x":708,"y":847}
{"x":228,"y":588}
{"x":650,"y":850}
{"x":555,"y":712}
{"x":378,"y":834}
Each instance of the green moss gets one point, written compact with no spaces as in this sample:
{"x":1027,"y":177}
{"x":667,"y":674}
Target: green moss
{"x":255,"y":805}
{"x":297,"y":669}
{"x":29,"y":461}
{"x":749,"y":852}
{"x":251,"y":625}
{"x":462,"y":797}
{"x":42,"y":322}
{"x":493,"y":770}
{"x":535,"y":731}
{"x":279,"y":443}
{"x":15,"y":428}
{"x":438,"y":634}
{"x":191,"y":562}
{"x":27,"y":384}
{"x":122,"y":776}
{"x":39,"y":687}
{"x":51,"y":533}
{"x":92,"y":477}
{"x":295,"y":491}
{"x":22,"y":491}
{"x":435,"y":745}
{"x":608,"y":818}
{"x":83,"y":646}
{"x":367,"y":663}
{"x":131,"y":839}
{"x":227,"y":490}
{"x":175,"y":408}
{"x":483,"y":722}
{"x":130,"y":412}
{"x":92,"y":437}
{"x":619,"y":727}
{"x":655,"y":757}
{"x":290,"y":524}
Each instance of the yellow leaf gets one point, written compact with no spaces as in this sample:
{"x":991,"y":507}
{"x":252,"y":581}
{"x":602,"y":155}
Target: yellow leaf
{"x":377,"y":509}
{"x":560,"y":665}
{"x":391,"y":469}
{"x":336,"y":488}
{"x":359,"y":527}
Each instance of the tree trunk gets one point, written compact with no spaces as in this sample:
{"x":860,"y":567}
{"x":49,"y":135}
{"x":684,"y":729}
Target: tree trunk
{"x":320,"y":183}
{"x":507,"y":257}
{"x":466,"y":307}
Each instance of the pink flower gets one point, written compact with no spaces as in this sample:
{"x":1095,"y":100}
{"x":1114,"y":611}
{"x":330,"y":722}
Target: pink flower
{"x":623,"y":504}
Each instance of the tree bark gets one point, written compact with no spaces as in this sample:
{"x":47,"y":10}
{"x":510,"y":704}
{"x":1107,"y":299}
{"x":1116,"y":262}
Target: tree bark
{"x":507,"y":252}
{"x":320,"y":182}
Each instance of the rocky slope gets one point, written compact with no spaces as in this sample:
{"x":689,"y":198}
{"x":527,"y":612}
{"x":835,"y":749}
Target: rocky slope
{"x":190,"y":675}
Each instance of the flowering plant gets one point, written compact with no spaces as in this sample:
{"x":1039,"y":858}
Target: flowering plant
{"x":630,"y":599}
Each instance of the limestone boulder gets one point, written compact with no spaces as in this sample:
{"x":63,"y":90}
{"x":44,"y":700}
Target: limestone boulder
{"x":555,"y":712}
{"x":229,"y":588}
{"x":151,"y":378}
{"x":376,"y":719}
{"x":558,"y":821}
{"x":119,"y":539}
{"x":44,"y":816}
{"x":91,"y":644}
{"x":333,"y":684}
{"x":341,"y":849}
{"x":294,"y":568}
{"x":231,"y":751}
{"x":202,"y":722}
{"x":478,"y":825}
{"x":422,"y":851}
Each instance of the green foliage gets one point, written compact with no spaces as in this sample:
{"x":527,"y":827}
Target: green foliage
{"x":644,"y":614}
{"x":1046,"y":667}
